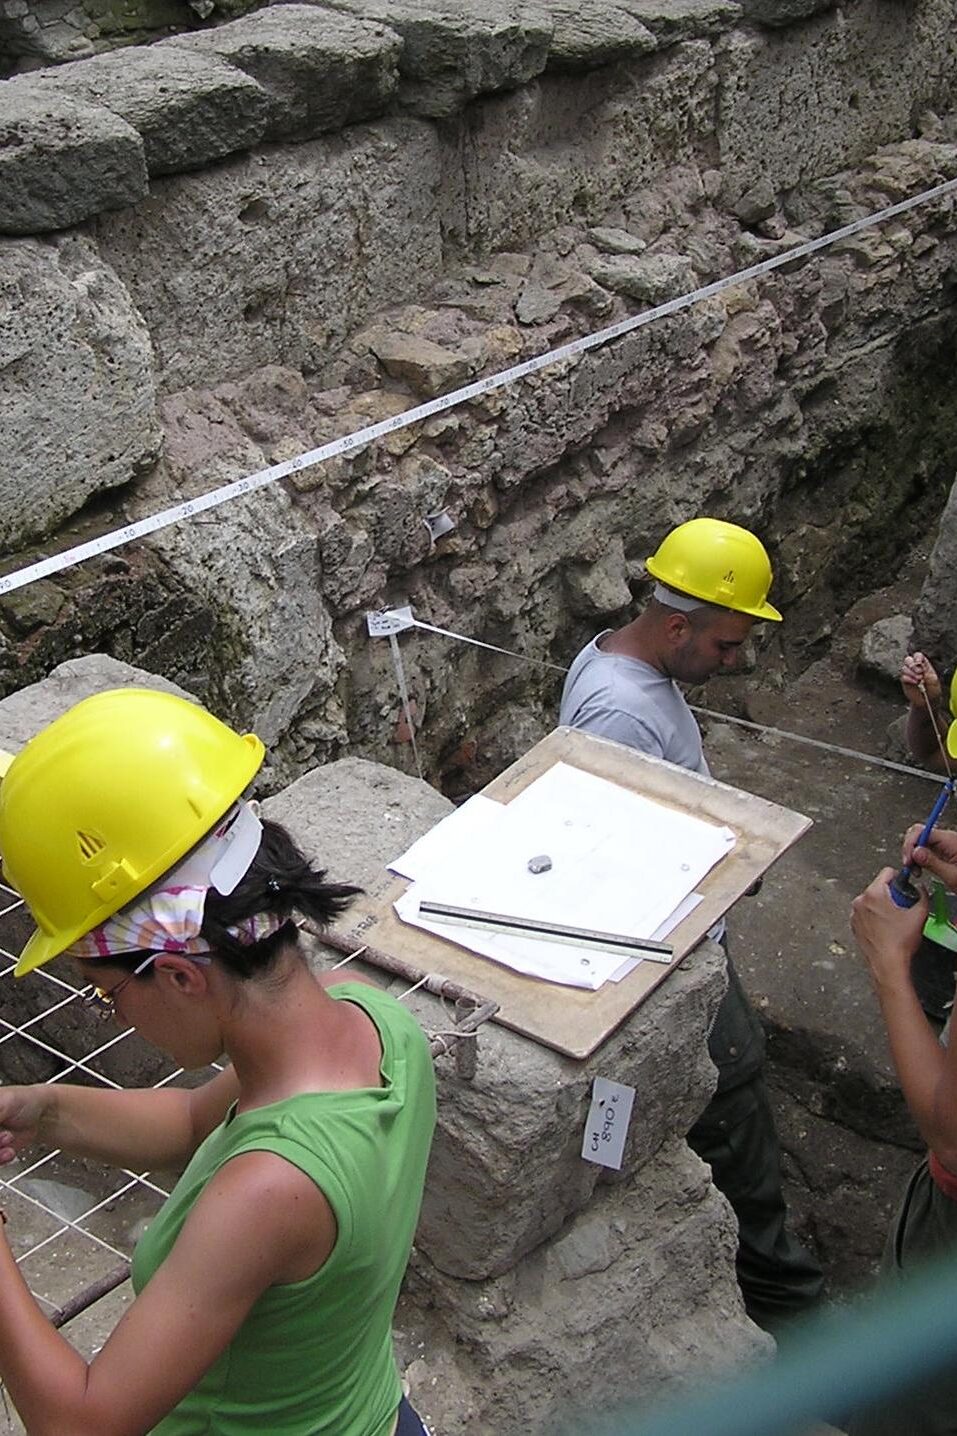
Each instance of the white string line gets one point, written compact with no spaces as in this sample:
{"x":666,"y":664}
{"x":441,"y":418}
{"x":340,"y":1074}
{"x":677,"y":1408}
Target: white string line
{"x":477,"y":643}
{"x":415,"y":987}
{"x":351,"y":958}
{"x":843,"y":752}
{"x":359,"y":438}
{"x":820,"y":743}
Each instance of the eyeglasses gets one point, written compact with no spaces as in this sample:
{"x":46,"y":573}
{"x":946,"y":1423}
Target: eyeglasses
{"x":103,"y":1000}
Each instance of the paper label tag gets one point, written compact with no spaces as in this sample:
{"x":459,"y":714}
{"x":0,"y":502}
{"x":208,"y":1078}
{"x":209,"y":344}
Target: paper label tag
{"x":389,"y":620}
{"x":607,"y":1125}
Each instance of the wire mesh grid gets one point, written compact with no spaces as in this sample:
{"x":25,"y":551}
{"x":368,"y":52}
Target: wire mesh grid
{"x":71,"y":1223}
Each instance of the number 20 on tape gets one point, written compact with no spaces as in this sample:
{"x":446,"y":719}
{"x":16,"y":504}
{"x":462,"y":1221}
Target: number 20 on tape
{"x":607,"y":1124}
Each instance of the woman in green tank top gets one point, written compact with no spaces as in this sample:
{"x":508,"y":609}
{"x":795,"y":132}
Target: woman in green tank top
{"x":265,"y":1287}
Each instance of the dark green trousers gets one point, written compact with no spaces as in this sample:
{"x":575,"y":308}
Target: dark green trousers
{"x":925,"y":1226}
{"x":736,"y":1136}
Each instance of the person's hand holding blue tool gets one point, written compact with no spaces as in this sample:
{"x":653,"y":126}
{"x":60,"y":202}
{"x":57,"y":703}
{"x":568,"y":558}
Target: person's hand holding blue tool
{"x":937,"y":856}
{"x":888,"y":935}
{"x":902,"y":890}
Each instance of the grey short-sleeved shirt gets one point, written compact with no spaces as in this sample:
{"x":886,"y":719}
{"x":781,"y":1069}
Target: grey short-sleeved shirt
{"x":631,"y":702}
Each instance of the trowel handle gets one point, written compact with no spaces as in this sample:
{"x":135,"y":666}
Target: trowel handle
{"x":902,"y":889}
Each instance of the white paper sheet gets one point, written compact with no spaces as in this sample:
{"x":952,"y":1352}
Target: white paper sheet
{"x":456,"y":833}
{"x":620,"y":862}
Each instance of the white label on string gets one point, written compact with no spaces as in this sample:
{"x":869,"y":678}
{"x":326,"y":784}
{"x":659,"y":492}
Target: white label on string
{"x":607,"y":1125}
{"x":389,"y":620}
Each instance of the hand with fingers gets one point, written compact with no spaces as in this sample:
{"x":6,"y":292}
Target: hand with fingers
{"x":22,"y":1110}
{"x":887,"y":935}
{"x":919,"y":677}
{"x":939,"y":856}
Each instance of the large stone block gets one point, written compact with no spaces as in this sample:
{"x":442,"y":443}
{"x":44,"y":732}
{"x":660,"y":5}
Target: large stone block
{"x":305,"y":243}
{"x":352,"y":817}
{"x":799,"y":103}
{"x":77,"y":408}
{"x":601,"y":34}
{"x":62,"y":160}
{"x":507,"y":1171}
{"x":636,"y":1295}
{"x":189,"y":109}
{"x":273,"y":663}
{"x":567,"y":147}
{"x":320,"y":70}
{"x":454,"y":50}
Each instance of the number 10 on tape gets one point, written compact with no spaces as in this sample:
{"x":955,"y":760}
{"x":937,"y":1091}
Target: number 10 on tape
{"x":607,"y":1125}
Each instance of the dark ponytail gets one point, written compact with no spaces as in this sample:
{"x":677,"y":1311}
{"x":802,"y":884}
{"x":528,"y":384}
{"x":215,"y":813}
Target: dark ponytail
{"x":280,"y":881}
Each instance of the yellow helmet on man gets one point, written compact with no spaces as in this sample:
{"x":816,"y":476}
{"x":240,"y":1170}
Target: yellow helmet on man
{"x":718,"y":562}
{"x":106,"y":799}
{"x":952,"y":730}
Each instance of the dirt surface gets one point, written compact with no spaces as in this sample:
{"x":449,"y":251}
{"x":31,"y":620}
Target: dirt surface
{"x":848,"y":1140}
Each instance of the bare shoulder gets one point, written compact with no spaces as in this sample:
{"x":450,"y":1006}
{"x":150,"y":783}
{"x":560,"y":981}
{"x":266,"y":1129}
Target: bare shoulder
{"x":341,"y":975}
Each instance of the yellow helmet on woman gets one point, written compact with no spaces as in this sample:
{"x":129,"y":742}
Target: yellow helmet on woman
{"x":719,"y":563}
{"x":107,"y":798}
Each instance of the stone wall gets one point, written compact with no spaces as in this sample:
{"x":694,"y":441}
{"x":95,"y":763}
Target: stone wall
{"x":539,"y":1282}
{"x":226,"y":247}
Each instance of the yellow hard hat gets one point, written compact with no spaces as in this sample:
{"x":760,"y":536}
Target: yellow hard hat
{"x":106,"y":799}
{"x":952,"y":730}
{"x":719,"y":563}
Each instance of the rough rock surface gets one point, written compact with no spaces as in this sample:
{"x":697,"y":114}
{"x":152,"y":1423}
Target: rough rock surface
{"x":264,"y":572}
{"x":353,"y":816}
{"x":885,"y":646}
{"x":305,"y":243}
{"x":189,"y":109}
{"x":61,"y":160}
{"x":76,"y":384}
{"x":596,"y":1316}
{"x":277,"y":285}
{"x":935,"y":615}
{"x":454,"y":50}
{"x":320,"y":70}
{"x":778,"y":13}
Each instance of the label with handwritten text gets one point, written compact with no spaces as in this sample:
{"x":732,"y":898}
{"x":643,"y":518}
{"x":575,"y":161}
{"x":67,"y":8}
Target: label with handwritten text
{"x":607,"y":1124}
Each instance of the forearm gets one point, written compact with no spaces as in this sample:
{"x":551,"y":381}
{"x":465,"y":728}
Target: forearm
{"x":921,"y":739}
{"x":45,"y":1376}
{"x":921,"y":1064}
{"x":138,"y":1129}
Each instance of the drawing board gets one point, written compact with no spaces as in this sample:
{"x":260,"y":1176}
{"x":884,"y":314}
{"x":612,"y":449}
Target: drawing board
{"x":575,"y":1021}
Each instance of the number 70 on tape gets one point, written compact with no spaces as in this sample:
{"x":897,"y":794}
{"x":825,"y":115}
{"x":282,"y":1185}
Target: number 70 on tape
{"x":606,"y":1126}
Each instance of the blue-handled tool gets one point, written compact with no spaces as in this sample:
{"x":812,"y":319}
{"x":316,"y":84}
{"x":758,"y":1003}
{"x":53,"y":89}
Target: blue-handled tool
{"x":902,"y":889}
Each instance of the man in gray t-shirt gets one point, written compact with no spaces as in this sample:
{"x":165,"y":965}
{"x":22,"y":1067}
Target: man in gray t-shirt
{"x":712,"y":584}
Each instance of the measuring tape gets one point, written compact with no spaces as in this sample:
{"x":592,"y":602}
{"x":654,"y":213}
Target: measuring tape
{"x":70,"y":557}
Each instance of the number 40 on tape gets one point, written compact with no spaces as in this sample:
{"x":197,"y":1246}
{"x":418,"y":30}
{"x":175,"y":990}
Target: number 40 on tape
{"x":607,"y":1124}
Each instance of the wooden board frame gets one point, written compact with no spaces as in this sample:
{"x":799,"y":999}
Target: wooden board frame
{"x":568,"y":1019}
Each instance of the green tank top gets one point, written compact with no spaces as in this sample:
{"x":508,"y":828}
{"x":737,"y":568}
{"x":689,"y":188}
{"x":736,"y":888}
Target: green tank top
{"x":315,"y":1357}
